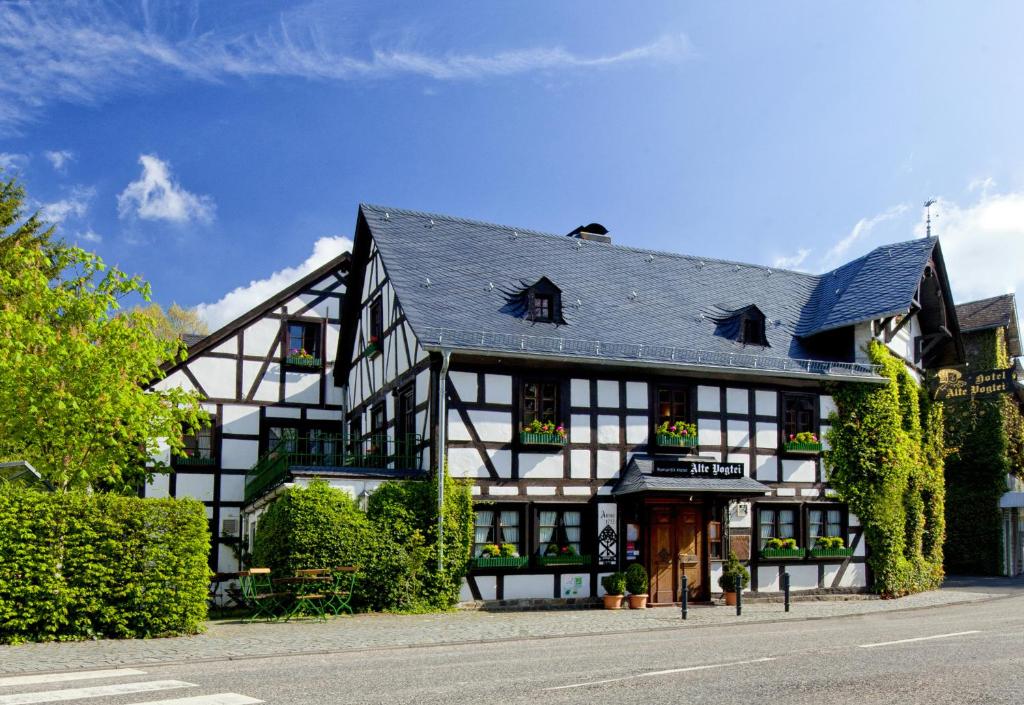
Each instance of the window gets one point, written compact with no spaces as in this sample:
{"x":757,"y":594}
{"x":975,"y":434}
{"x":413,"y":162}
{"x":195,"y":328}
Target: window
{"x":673,"y":405}
{"x":776,"y":523}
{"x":303,"y":339}
{"x":542,"y":306}
{"x":355,"y":430}
{"x":558,"y":529}
{"x":824,"y":521}
{"x":497,"y":527}
{"x":405,"y":424}
{"x":199,"y":445}
{"x":798,"y":414}
{"x":376,"y":320}
{"x":317,"y":446}
{"x":540,"y":402}
{"x":378,"y":419}
{"x":753,"y":331}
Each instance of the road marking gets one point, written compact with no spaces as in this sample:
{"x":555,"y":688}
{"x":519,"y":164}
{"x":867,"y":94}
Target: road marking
{"x":53,"y":696}
{"x":663,"y":673}
{"x":216,"y":699}
{"x":37,"y":679}
{"x":918,"y":638}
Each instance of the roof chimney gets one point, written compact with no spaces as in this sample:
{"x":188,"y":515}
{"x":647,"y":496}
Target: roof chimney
{"x":595,"y":232}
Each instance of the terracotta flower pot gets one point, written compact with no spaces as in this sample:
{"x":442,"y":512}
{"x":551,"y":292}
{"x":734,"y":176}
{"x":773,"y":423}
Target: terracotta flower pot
{"x":637,"y":602}
{"x":613,"y":602}
{"x":730,"y":599}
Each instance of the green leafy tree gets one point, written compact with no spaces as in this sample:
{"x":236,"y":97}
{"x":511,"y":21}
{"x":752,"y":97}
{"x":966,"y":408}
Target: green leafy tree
{"x":174,"y":322}
{"x":73,"y":374}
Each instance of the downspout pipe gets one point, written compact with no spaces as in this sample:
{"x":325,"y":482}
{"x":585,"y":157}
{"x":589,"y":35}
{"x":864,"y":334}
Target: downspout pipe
{"x":442,"y":441}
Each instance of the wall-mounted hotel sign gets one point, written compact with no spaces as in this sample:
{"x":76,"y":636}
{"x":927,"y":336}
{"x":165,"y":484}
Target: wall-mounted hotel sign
{"x":975,"y":385}
{"x":698,"y":468}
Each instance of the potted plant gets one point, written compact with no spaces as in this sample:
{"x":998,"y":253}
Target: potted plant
{"x":615,"y":587}
{"x":505,"y":555}
{"x":730,"y":571}
{"x":372,"y":346}
{"x":636,"y":583}
{"x":677,"y":433}
{"x":803,"y":442}
{"x":539,"y":432}
{"x":566,"y":554}
{"x":782,"y":548}
{"x":830,"y":547}
{"x":302,"y":358}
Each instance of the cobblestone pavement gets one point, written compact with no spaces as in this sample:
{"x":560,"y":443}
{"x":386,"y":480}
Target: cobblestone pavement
{"x":227,"y":639}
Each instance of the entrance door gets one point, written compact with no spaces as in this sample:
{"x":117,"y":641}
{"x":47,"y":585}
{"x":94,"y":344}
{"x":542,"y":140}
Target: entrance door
{"x":676,"y":540}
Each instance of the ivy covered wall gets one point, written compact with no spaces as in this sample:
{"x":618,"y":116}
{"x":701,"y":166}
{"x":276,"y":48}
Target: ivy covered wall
{"x":985,"y":439}
{"x":886,"y":463}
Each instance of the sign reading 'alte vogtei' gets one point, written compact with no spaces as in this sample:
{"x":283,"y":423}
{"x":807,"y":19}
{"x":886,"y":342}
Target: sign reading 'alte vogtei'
{"x":985,"y":383}
{"x":698,"y":468}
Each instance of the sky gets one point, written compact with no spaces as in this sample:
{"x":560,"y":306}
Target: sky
{"x":221,"y":149}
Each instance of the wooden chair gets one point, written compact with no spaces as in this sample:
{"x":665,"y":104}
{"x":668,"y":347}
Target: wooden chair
{"x":259,"y":595}
{"x":310,"y":594}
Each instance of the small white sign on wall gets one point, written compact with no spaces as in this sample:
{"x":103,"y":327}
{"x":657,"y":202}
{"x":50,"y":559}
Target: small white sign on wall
{"x":572,"y":585}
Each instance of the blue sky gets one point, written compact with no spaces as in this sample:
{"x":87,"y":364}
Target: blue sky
{"x":222,"y":148}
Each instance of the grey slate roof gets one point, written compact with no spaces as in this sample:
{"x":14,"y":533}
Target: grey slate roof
{"x":639,"y":478}
{"x":453,"y":277}
{"x":994,"y":312}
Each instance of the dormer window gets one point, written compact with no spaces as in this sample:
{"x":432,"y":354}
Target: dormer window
{"x":542,"y":307}
{"x":753,"y":332}
{"x":744,"y":325}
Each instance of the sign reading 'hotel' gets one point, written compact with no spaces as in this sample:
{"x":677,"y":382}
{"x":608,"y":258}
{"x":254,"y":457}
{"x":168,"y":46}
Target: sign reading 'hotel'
{"x":987,"y":383}
{"x":698,"y":468}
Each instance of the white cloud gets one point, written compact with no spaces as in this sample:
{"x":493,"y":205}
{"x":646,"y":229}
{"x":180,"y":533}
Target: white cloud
{"x":76,"y":205}
{"x":59,"y":159}
{"x":238,"y":301}
{"x":12,"y":161}
{"x":791,"y":261}
{"x":982,"y":243}
{"x":839,"y":252}
{"x":89,"y":235}
{"x":156,"y":196}
{"x":85,"y":53}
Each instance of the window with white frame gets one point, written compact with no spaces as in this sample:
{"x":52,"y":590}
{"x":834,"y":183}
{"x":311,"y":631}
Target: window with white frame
{"x":559,"y":532}
{"x":824,"y":522}
{"x":776,"y":523}
{"x":497,"y":527}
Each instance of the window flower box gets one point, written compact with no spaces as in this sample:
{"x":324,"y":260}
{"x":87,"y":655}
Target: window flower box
{"x":541,"y":439}
{"x":194,"y":460}
{"x":563,"y":560}
{"x":775,"y":553}
{"x":831,"y":552}
{"x":810,"y":448}
{"x":677,"y":441}
{"x":303,"y":361}
{"x":501,"y":562}
{"x":372,"y":347}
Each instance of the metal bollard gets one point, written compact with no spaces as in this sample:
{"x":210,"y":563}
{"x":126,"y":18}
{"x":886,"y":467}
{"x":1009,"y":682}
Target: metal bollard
{"x":785,"y":589}
{"x":739,"y":595}
{"x":684,"y":594}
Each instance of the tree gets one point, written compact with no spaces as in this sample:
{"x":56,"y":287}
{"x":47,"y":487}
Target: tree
{"x":73,"y":373}
{"x":175,"y":322}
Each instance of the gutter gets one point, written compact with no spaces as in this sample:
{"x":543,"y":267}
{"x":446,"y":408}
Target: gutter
{"x":442,"y":427}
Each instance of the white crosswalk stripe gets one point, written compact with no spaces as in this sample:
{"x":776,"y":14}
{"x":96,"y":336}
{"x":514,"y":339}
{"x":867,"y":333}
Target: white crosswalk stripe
{"x":65,"y":695}
{"x":53,"y":696}
{"x":37,"y":679}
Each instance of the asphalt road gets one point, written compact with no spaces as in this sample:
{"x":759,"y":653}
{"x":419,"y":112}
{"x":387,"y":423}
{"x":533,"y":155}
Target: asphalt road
{"x":958,"y":654}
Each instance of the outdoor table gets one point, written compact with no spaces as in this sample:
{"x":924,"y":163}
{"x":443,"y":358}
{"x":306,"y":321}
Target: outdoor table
{"x":304,"y":596}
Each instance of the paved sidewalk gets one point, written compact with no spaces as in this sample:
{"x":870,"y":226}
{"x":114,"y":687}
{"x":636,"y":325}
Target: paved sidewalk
{"x":226,"y":640}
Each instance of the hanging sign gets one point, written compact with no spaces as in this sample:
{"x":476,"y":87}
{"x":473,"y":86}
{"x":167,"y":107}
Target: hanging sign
{"x":698,"y":468}
{"x":976,"y":385}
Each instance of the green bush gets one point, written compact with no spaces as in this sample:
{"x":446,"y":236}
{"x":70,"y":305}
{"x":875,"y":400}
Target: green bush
{"x":730,"y":571}
{"x":614,"y":584}
{"x":636,"y":579}
{"x":77,"y":566}
{"x":394,"y":542}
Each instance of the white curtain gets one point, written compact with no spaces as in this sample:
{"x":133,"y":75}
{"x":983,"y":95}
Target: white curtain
{"x":815,"y":524}
{"x":767,"y":525}
{"x":786,"y":524}
{"x":835,"y":526}
{"x":547,"y":529}
{"x":571,"y":522}
{"x":510,"y":527}
{"x":484,"y":521}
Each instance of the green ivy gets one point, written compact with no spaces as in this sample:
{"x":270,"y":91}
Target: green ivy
{"x":886,"y":463}
{"x":985,"y":442}
{"x":77,"y":566}
{"x":394,"y":542}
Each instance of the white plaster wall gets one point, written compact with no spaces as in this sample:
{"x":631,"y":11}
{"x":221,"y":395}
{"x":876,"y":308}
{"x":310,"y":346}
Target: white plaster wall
{"x":465,"y":385}
{"x":497,"y":389}
{"x":260,"y":336}
{"x":736,"y":401}
{"x":709,"y":432}
{"x":737,"y":433}
{"x":492,"y":426}
{"x":579,"y":461}
{"x":855,"y":576}
{"x":607,"y":429}
{"x":768,"y":579}
{"x":831,"y":571}
{"x":636,"y":395}
{"x":740,"y":515}
{"x":608,"y":464}
{"x":519,"y":587}
{"x":198,"y":486}
{"x":216,"y":375}
{"x":636,"y":430}
{"x":324,"y":414}
{"x":708,"y":399}
{"x":302,"y":388}
{"x":466,"y":462}
{"x":158,"y":487}
{"x":579,"y":392}
{"x":743,"y":460}
{"x":798,"y":470}
{"x":269,"y":385}
{"x":766,"y":403}
{"x":767,"y":468}
{"x":487,"y":584}
{"x":240,"y":419}
{"x":608,"y":393}
{"x":239,"y":454}
{"x":803,"y":577}
{"x":232,"y":488}
{"x":283,"y":412}
{"x":229,"y":346}
{"x":540,"y":465}
{"x":176,"y":379}
{"x":579,"y":428}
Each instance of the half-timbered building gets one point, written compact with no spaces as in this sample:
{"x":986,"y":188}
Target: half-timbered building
{"x":266,"y":379}
{"x":558,"y":373}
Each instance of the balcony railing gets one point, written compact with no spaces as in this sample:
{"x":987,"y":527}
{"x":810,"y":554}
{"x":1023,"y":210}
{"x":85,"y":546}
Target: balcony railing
{"x":331,"y":451}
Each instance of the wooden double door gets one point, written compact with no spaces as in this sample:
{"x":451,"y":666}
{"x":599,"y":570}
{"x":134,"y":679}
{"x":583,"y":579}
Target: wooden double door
{"x":676,"y":540}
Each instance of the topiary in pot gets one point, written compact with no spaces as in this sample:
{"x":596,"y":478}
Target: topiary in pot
{"x":636,"y":583}
{"x":615,"y":587}
{"x":730,"y":571}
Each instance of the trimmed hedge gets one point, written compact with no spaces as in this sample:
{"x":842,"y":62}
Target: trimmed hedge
{"x":80,"y":566}
{"x":394,"y":542}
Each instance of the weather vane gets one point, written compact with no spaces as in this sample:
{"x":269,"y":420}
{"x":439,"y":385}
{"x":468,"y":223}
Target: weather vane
{"x":928,"y":211}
